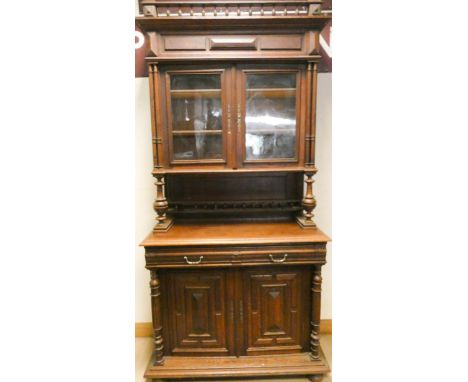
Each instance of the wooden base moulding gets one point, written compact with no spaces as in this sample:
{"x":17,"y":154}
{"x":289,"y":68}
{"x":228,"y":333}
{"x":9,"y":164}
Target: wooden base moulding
{"x":164,"y":226}
{"x":228,"y":367}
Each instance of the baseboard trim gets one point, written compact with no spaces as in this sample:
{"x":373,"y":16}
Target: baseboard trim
{"x":326,"y":326}
{"x":145,"y":329}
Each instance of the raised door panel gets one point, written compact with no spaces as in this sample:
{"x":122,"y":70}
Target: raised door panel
{"x":197,"y":304}
{"x":276,"y":313}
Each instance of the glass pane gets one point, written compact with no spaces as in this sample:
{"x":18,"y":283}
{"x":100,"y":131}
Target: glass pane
{"x":195,"y":81}
{"x":196,"y":111}
{"x":270,"y":118}
{"x":196,"y":116}
{"x":198,"y":146}
{"x":268,"y":81}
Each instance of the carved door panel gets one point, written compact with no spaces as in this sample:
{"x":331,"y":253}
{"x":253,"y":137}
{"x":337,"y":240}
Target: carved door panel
{"x":276,"y":310}
{"x":197,"y":313}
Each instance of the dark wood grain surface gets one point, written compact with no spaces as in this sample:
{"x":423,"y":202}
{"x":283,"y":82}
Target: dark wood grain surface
{"x":239,"y":233}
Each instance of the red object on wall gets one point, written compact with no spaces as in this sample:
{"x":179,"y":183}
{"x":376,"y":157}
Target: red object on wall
{"x":141,"y":69}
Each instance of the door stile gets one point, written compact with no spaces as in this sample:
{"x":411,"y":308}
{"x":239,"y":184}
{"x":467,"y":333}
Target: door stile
{"x":229,"y":96}
{"x":167,"y":330}
{"x":239,"y":102}
{"x":238,"y":313}
{"x":231,"y":312}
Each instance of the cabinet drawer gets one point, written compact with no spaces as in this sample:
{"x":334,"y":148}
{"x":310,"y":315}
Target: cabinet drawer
{"x":278,"y":257}
{"x":235,"y":256}
{"x":191,"y":259}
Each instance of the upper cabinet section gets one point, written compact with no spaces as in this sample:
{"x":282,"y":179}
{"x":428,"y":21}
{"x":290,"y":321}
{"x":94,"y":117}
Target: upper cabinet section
{"x":233,"y":83}
{"x":229,"y":117}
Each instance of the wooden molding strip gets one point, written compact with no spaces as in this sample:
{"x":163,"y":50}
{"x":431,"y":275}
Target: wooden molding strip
{"x":145,"y":329}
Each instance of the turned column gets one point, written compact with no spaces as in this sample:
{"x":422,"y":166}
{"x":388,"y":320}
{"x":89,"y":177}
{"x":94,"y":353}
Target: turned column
{"x":163,"y":222}
{"x":315,"y":314}
{"x":309,"y":202}
{"x":156,"y":312}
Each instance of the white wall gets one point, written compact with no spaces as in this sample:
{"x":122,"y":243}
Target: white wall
{"x":323,"y":181}
{"x":145,"y":189}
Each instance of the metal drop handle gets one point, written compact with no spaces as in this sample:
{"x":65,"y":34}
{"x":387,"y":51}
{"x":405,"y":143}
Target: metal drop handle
{"x":278,"y":260}
{"x":193,"y":262}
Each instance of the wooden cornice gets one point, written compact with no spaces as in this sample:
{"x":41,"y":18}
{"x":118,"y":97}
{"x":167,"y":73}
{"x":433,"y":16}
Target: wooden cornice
{"x":227,"y":58}
{"x":146,"y":23}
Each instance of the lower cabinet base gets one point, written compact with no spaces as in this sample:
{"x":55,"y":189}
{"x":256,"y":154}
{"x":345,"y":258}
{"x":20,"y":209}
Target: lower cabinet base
{"x":234,"y":367}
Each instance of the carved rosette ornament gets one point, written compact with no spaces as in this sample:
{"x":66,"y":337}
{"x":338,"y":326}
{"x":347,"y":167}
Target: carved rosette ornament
{"x":309,"y":202}
{"x":163,"y":222}
{"x":156,"y":312}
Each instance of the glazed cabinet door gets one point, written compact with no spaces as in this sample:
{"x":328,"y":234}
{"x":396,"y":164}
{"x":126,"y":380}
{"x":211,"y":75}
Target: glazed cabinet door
{"x":199,"y":312}
{"x":271,"y":115}
{"x":196,"y":121}
{"x":276,"y":310}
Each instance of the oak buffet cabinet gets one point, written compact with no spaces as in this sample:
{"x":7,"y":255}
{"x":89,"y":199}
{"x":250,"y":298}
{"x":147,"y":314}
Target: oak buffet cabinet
{"x":235,"y":256}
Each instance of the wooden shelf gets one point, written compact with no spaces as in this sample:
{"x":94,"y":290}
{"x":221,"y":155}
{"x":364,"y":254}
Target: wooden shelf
{"x":195,"y":93}
{"x":195,"y":132}
{"x":276,"y":93}
{"x":224,"y":170}
{"x":272,"y":90}
{"x":271,"y":131}
{"x":194,"y":90}
{"x":253,"y":210}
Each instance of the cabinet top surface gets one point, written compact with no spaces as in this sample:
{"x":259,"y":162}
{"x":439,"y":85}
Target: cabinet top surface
{"x":234,"y":233}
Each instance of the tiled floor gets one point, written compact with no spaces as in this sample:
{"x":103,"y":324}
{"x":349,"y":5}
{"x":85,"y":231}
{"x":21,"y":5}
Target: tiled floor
{"x":144,"y":347}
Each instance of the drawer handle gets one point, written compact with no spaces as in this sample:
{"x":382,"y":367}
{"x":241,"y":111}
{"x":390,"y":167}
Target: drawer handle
{"x":193,"y":262}
{"x":278,"y":260}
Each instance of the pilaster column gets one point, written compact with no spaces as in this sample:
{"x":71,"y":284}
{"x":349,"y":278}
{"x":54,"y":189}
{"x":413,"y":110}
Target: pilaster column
{"x":156,"y":312}
{"x":315,"y":314}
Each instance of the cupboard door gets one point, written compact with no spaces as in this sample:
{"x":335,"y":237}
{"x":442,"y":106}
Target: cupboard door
{"x":196,"y":117}
{"x":276,"y":310}
{"x":197,"y":312}
{"x":270,"y":120}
